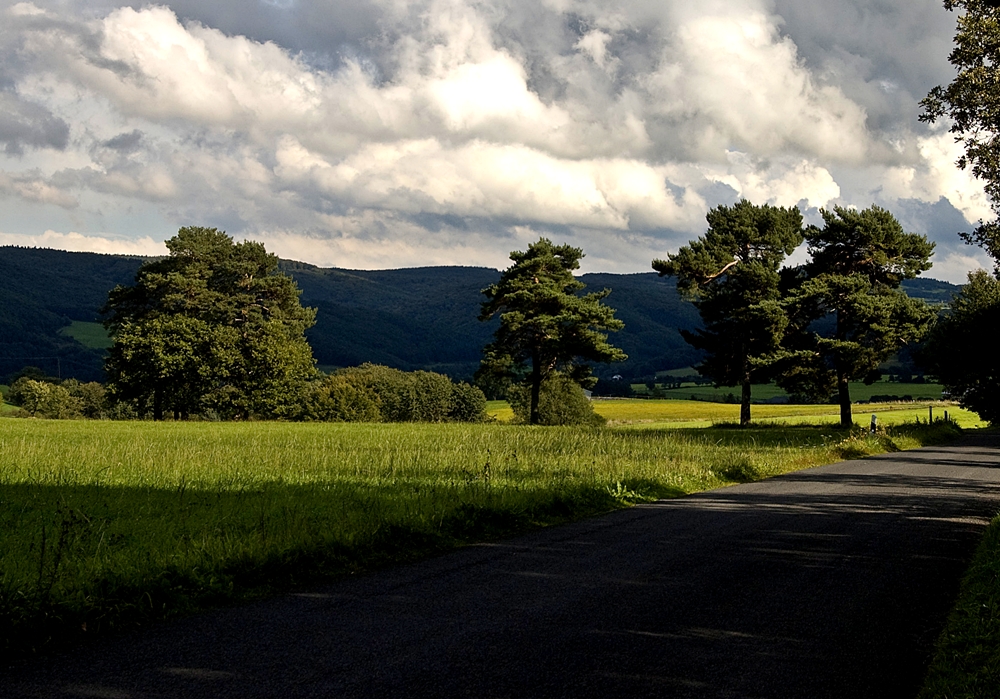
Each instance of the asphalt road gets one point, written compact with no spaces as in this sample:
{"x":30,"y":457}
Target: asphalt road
{"x":831,"y":582}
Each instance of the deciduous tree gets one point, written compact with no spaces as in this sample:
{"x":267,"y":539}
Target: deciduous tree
{"x":546,"y":326}
{"x":961,"y":350}
{"x":732,"y":275}
{"x":972,"y":104}
{"x":212,"y":326}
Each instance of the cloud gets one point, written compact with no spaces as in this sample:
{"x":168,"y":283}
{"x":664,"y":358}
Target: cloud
{"x":486,"y":180}
{"x":936,"y":176}
{"x":782,"y":182}
{"x":77,"y":242}
{"x":954,"y":267}
{"x":28,"y":125}
{"x":33,"y":188}
{"x":448,"y":130}
{"x":730,"y":80}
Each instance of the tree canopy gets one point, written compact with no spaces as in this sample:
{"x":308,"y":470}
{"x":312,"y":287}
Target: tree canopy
{"x":732,"y":275}
{"x":213,"y":326}
{"x":858,"y":260}
{"x":546,"y":326}
{"x":961,"y":350}
{"x":972,"y":102}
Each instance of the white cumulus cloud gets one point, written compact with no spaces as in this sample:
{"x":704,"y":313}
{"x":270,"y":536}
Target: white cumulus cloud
{"x":384,"y":133}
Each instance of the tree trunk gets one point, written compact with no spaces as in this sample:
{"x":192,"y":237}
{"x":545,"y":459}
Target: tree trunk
{"x":843,"y":388}
{"x":536,"y":388}
{"x":844,"y":395}
{"x":158,"y":403}
{"x":745,"y":401}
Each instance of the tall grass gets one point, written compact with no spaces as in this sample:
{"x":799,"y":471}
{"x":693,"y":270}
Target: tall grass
{"x":966,"y":660}
{"x":111,"y":524}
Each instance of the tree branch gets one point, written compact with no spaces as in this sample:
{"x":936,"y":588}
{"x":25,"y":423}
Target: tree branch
{"x":720,"y":272}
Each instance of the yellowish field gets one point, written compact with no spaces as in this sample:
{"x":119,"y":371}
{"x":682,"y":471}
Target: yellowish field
{"x":688,"y":413}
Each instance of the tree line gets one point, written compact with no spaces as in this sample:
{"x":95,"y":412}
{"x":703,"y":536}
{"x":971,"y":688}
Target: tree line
{"x":812,"y":328}
{"x":216,"y":330}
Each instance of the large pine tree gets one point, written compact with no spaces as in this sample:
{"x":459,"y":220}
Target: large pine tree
{"x":732,"y":275}
{"x":546,"y":326}
{"x":858,"y":260}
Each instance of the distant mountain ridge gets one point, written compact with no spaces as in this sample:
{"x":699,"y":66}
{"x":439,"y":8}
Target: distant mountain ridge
{"x":416,"y":318}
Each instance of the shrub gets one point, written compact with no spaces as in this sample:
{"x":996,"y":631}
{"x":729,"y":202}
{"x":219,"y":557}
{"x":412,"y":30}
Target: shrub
{"x":430,"y":396}
{"x":561,"y":401}
{"x":91,"y":397}
{"x":620,"y":388}
{"x":42,"y":399}
{"x":374,"y":393}
{"x":468,"y":404}
{"x":341,"y":398}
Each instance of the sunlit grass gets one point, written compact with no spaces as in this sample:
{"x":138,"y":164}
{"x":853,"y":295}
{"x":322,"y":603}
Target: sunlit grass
{"x":763,"y":392}
{"x":91,"y":335}
{"x":687,"y":413}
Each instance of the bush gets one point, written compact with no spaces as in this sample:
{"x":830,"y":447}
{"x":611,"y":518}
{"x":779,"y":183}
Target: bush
{"x":42,"y":399}
{"x":340,"y":398}
{"x":620,"y":388}
{"x":560,"y":402}
{"x":374,"y":393}
{"x":430,"y":397}
{"x":91,"y":398}
{"x":468,"y":404}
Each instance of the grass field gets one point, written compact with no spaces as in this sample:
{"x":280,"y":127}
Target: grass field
{"x":685,"y":413}
{"x":765,"y":392}
{"x":91,"y":335}
{"x":105,"y":525}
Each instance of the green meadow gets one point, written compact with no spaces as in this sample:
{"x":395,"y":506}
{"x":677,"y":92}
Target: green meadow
{"x":654,"y":413}
{"x":109,"y":525}
{"x":92,"y":335}
{"x":765,"y":392}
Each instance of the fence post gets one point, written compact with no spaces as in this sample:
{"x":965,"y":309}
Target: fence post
{"x":874,"y":423}
{"x":930,"y":414}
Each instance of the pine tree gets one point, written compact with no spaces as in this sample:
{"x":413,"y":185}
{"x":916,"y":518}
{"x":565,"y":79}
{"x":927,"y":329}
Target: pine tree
{"x":732,"y":275}
{"x":858,"y":260}
{"x":546,"y":327}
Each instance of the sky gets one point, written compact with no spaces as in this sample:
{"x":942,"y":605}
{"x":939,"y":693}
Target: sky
{"x":385,"y":134}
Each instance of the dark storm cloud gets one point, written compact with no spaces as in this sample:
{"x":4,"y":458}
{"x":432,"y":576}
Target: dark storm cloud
{"x":884,"y":54}
{"x":126,"y":142}
{"x":27,"y":125}
{"x":321,"y":31}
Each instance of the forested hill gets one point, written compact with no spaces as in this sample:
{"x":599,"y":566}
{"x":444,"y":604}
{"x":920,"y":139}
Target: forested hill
{"x":43,"y":291}
{"x":406,"y":318}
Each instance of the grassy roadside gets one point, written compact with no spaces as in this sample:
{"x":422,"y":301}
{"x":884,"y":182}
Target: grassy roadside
{"x":107,"y":525}
{"x":966,"y":662}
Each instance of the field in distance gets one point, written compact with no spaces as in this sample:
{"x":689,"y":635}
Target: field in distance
{"x":767,"y":392}
{"x":652,"y":413}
